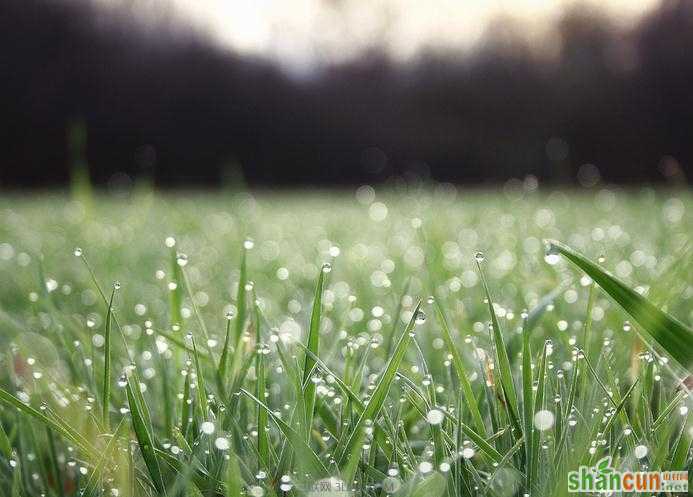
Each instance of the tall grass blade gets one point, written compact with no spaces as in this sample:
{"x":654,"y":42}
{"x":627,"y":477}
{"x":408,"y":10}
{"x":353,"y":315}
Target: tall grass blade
{"x":506,"y":376}
{"x":669,"y":333}
{"x":306,"y":458}
{"x":145,"y":439}
{"x":106,"y":395}
{"x":461,"y":372}
{"x":313,"y":344}
{"x":380,"y":392}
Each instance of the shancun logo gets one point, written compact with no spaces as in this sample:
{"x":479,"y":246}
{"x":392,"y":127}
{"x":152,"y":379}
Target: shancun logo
{"x":602,"y":478}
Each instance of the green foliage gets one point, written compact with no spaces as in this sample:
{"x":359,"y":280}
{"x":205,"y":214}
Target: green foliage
{"x":243,"y":369}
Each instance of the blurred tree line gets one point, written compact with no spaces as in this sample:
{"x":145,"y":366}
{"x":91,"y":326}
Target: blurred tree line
{"x":166,"y":104}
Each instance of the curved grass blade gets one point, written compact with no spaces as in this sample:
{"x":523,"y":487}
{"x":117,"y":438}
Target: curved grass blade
{"x":305,"y":455}
{"x":145,"y":439}
{"x":669,"y":333}
{"x":106,"y":396}
{"x":506,"y":376}
{"x":240,"y":324}
{"x":62,"y":429}
{"x":314,"y":346}
{"x":461,"y":372}
{"x":380,"y":392}
{"x":538,"y":405}
{"x":105,"y":454}
{"x":262,"y":439}
{"x":527,"y":399}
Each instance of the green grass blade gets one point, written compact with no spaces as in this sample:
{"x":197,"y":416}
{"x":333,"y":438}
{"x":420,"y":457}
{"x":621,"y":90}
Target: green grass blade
{"x":201,"y":389}
{"x":668,"y":410}
{"x":106,"y":395}
{"x":431,"y":486}
{"x":659,"y":327}
{"x":5,"y":445}
{"x":380,"y":392}
{"x":145,"y":440}
{"x":262,"y":438}
{"x":305,"y":456}
{"x":60,"y":428}
{"x":313,"y":344}
{"x":461,"y":371}
{"x":527,"y":399}
{"x":506,"y":376}
{"x":538,"y":405}
{"x":233,"y":477}
{"x":240,"y":325}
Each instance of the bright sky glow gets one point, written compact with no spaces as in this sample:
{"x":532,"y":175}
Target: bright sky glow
{"x":303,"y":33}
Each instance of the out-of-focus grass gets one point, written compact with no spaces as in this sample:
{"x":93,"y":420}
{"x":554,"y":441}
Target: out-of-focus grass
{"x":369,"y":397}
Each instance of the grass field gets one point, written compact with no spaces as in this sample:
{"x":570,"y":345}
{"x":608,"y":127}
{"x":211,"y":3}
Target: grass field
{"x":341,"y":343}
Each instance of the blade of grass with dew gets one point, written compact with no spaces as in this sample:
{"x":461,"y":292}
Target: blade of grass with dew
{"x":313,"y":345}
{"x":186,"y":408}
{"x":92,"y":482}
{"x":262,"y":438}
{"x":305,"y":455}
{"x":658,"y":326}
{"x":60,"y":428}
{"x":201,"y":388}
{"x":527,"y":398}
{"x":145,"y":440}
{"x":106,"y":396}
{"x":176,"y":294}
{"x":668,"y":409}
{"x":380,"y":392}
{"x":461,"y":372}
{"x":502,"y":357}
{"x":558,"y":453}
{"x":240,"y":325}
{"x":538,"y":406}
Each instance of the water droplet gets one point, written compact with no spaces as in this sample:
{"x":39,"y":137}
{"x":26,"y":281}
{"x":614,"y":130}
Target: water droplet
{"x":468,"y":452}
{"x":78,"y":252}
{"x":420,"y":317}
{"x":640,"y":451}
{"x":479,"y":256}
{"x":207,"y":427}
{"x":248,"y":244}
{"x":326,"y":268}
{"x":543,"y":420}
{"x":229,"y":315}
{"x":551,"y":256}
{"x":435,"y":416}
{"x":425,"y":467}
{"x":601,"y":259}
{"x":181,"y":259}
{"x":122,"y":381}
{"x":256,"y":491}
{"x":170,"y":242}
{"x":627,"y":326}
{"x":222,"y":443}
{"x":431,"y":299}
{"x":116,"y":285}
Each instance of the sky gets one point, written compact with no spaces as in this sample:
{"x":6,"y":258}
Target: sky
{"x":304,"y":33}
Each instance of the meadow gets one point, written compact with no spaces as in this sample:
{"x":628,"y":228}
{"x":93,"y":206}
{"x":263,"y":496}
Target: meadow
{"x":416,"y":341}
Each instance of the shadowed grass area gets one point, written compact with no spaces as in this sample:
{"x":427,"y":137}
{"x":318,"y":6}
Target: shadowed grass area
{"x":414,"y":342}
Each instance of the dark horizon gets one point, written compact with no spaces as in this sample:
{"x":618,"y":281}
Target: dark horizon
{"x":177,"y":108}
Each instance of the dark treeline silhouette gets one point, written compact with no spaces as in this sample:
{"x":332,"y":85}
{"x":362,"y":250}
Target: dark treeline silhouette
{"x":167,"y":103}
